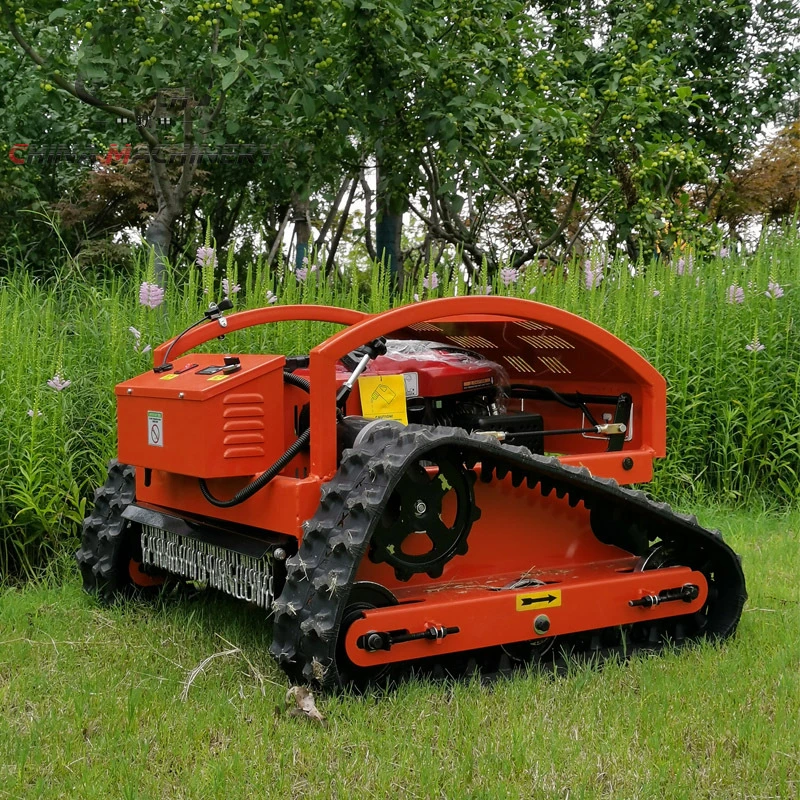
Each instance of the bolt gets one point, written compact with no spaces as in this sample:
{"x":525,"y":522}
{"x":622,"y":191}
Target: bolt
{"x":374,"y":642}
{"x":279,"y":554}
{"x":180,"y":395}
{"x":541,"y":624}
{"x":420,"y":508}
{"x":627,"y":463}
{"x":130,"y":391}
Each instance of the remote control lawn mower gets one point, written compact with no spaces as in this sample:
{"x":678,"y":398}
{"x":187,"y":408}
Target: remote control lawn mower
{"x":436,"y":488}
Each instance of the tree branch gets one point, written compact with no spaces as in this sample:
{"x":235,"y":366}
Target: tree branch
{"x":367,"y":216}
{"x":75,"y":89}
{"x":523,"y":258}
{"x":340,"y":227}
{"x":448,"y":236}
{"x":513,"y":196}
{"x":190,"y":152}
{"x":332,"y":213}
{"x":279,"y":236}
{"x":588,"y":219}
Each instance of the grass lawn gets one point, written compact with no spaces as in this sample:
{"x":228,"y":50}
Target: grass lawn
{"x":92,"y":707}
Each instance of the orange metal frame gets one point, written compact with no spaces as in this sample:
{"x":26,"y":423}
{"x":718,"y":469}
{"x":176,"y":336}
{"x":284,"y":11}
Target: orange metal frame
{"x":520,"y":532}
{"x":595,"y":597}
{"x":470,"y":312}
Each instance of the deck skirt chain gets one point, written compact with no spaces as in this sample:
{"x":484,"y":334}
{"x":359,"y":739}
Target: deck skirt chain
{"x":244,"y":577}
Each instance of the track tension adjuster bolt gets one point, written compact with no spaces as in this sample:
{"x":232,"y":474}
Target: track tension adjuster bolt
{"x":384,"y":640}
{"x":687,"y":593}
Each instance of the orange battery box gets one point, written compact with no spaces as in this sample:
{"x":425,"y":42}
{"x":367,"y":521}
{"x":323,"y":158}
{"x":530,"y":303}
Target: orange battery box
{"x":199,"y":420}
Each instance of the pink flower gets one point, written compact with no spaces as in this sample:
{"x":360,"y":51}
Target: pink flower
{"x":735,"y":294}
{"x":656,"y":293}
{"x":228,"y":290}
{"x":31,"y":413}
{"x":724,"y":252}
{"x":774,"y":290}
{"x":509,"y":275}
{"x":137,"y":340}
{"x":755,"y":346}
{"x":431,"y":281}
{"x":58,"y":383}
{"x":301,"y":273}
{"x":151,"y":295}
{"x":206,"y":257}
{"x":487,"y":289}
{"x":272,"y":298}
{"x":416,"y":297}
{"x":593,"y":274}
{"x":684,"y":265}
{"x":532,"y":291}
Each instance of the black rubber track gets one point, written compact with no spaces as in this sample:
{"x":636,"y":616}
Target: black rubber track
{"x":309,"y":611}
{"x":107,"y":543}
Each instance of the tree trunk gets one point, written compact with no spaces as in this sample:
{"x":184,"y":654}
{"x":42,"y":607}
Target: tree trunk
{"x":159,"y":236}
{"x":302,"y":229}
{"x":329,"y":264}
{"x":278,"y":240}
{"x":389,"y":228}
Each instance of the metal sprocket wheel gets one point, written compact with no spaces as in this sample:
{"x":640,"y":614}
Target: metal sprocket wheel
{"x":416,"y":533}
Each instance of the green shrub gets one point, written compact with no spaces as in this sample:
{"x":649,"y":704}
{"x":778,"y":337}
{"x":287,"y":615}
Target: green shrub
{"x":722,"y":332}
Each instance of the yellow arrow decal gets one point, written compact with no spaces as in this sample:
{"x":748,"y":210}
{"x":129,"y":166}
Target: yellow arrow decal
{"x":533,"y":601}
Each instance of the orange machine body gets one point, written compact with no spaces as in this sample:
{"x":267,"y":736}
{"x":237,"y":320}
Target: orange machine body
{"x":197,"y":421}
{"x":228,"y":429}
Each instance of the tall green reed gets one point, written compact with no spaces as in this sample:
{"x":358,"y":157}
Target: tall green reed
{"x":732,"y":411}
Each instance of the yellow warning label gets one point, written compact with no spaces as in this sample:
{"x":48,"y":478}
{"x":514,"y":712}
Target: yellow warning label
{"x":218,"y":377}
{"x":168,"y":377}
{"x":383,"y":397}
{"x":533,"y":601}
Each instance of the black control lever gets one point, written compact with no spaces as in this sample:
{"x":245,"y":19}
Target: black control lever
{"x":214,"y":311}
{"x":373,"y":349}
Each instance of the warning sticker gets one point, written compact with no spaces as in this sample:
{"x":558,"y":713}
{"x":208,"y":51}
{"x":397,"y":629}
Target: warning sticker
{"x":155,"y":428}
{"x":532,"y":601}
{"x":383,"y":397}
{"x":412,"y":383}
{"x":170,"y":377}
{"x":218,"y":377}
{"x":478,"y":383}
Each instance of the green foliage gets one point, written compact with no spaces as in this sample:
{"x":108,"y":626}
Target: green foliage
{"x":237,"y":84}
{"x":732,"y":410}
{"x":495,"y":114}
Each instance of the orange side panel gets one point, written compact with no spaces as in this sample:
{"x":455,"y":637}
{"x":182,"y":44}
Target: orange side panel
{"x":519,"y":532}
{"x":597,"y":597}
{"x":205,"y":425}
{"x":282,"y":506}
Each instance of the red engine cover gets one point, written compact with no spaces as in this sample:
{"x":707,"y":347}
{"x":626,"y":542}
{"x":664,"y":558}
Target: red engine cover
{"x":431,"y":369}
